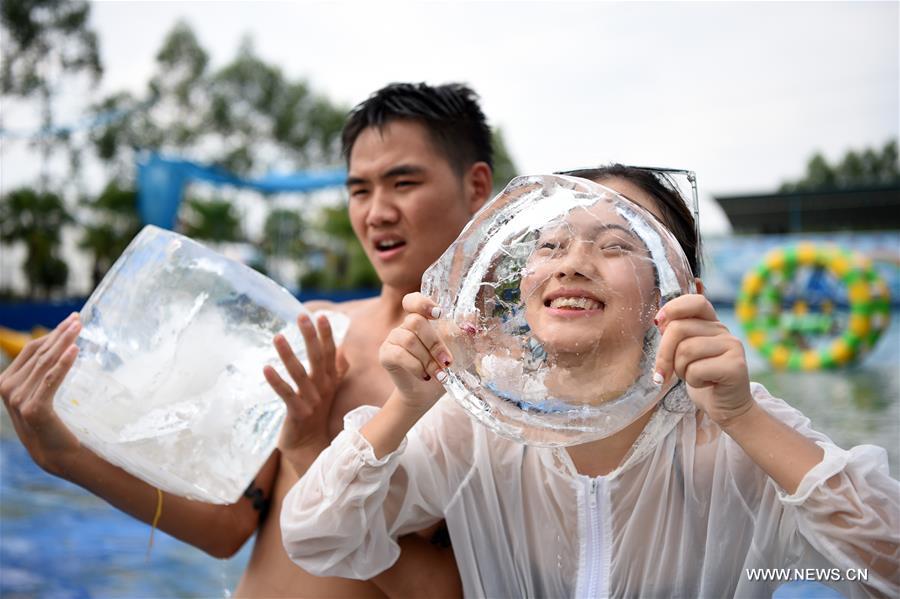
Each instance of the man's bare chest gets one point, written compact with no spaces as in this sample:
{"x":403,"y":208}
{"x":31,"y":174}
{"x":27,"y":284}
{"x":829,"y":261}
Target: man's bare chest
{"x":366,"y":383}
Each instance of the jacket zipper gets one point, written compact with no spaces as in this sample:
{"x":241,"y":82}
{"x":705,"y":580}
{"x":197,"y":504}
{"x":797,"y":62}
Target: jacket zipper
{"x":594,"y":547}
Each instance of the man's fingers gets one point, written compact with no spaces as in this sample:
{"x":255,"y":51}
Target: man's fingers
{"x":284,"y":390}
{"x":416,"y":303}
{"x":313,"y":347}
{"x":326,"y":338}
{"x":291,"y":363}
{"x":341,"y":364}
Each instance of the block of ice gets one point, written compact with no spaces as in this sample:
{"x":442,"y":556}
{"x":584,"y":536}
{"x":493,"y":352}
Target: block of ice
{"x":168,"y":383}
{"x":547,"y":300}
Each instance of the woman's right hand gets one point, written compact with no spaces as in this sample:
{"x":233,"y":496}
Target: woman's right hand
{"x":414,"y":356}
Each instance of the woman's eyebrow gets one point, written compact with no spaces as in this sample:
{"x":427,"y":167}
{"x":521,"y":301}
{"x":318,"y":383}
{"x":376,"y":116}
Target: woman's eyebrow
{"x":597,"y":230}
{"x":594,"y":231}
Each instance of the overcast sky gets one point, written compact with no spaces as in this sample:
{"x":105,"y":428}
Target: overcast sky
{"x":742,"y":93}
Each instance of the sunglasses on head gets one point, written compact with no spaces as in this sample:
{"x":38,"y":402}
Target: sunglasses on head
{"x":667,"y":176}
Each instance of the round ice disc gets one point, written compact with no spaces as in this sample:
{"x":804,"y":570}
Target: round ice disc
{"x":547,"y":300}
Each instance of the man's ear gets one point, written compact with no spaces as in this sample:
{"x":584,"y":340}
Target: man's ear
{"x":479,"y":182}
{"x":700,"y":288}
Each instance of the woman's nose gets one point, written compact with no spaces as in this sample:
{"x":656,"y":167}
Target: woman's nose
{"x":577,"y":261}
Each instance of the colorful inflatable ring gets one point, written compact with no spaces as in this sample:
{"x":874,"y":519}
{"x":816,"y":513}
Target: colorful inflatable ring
{"x":759,"y":306}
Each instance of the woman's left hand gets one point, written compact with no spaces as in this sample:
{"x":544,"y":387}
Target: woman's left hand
{"x":701,"y":351}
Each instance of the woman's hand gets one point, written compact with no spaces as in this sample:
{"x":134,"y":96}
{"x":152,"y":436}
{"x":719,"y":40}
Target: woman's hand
{"x":414,"y":356}
{"x":701,"y":351}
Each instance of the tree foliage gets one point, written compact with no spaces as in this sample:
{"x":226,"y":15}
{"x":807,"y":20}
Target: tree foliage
{"x":212,"y":220}
{"x":504,"y":167}
{"x":36,"y":219}
{"x":43,"y":42}
{"x":114,"y":223}
{"x":247,"y":116}
{"x":283,"y":234}
{"x":344,"y":262}
{"x":869,"y":167}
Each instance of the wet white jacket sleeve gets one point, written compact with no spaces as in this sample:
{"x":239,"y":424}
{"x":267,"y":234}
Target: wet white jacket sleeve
{"x":848,"y":508}
{"x":343,"y":517}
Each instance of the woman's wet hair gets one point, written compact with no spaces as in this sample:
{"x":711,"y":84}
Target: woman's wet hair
{"x":676,"y":215}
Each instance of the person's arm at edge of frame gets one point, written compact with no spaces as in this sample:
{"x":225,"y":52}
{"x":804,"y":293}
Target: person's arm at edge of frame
{"x":28,"y":386}
{"x":701,"y":351}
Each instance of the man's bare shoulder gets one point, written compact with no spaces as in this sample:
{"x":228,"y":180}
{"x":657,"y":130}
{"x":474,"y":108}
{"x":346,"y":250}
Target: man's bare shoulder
{"x":352,"y":308}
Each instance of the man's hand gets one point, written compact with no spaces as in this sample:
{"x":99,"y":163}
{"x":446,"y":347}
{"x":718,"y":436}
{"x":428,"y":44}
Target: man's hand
{"x":28,"y":386}
{"x":309,"y":404}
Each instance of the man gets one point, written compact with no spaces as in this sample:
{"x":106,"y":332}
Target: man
{"x":419,"y":161}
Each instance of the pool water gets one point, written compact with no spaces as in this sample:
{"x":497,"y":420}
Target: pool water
{"x":59,"y":541}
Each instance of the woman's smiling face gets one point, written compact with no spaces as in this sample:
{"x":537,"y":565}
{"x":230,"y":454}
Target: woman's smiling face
{"x":590,"y":285}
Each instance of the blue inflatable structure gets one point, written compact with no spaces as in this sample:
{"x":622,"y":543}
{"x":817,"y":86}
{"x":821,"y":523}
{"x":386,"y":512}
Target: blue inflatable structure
{"x":161,"y":181}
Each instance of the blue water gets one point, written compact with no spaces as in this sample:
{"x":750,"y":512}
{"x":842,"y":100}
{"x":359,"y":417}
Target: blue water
{"x":56,"y":540}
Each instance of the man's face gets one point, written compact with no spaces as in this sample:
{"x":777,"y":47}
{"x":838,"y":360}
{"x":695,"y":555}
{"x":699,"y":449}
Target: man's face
{"x":406,"y":204}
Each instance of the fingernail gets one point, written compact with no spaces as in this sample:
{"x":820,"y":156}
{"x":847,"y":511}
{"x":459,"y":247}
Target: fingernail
{"x":436,"y":312}
{"x":441,"y":376}
{"x":444,"y":358}
{"x":659,"y":318}
{"x":658,"y":378}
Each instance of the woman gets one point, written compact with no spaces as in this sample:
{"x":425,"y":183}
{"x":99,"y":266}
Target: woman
{"x":718,"y":479}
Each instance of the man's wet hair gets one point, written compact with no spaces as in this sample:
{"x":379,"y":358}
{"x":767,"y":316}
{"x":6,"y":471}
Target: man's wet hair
{"x":676,"y":215}
{"x":449,"y":112}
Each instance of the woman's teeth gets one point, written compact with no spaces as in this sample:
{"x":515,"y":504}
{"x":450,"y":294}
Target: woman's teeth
{"x":575,"y":303}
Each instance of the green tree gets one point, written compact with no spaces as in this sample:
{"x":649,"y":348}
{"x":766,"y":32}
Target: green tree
{"x":212,"y":220}
{"x":856,"y":169}
{"x":247,"y":117}
{"x":42,"y":42}
{"x":345,"y":264}
{"x":283,"y":234}
{"x":504,"y":167}
{"x":113,"y":225}
{"x":36,"y":219}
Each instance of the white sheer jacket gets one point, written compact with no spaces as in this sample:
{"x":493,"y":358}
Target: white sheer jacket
{"x":687,"y":513}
